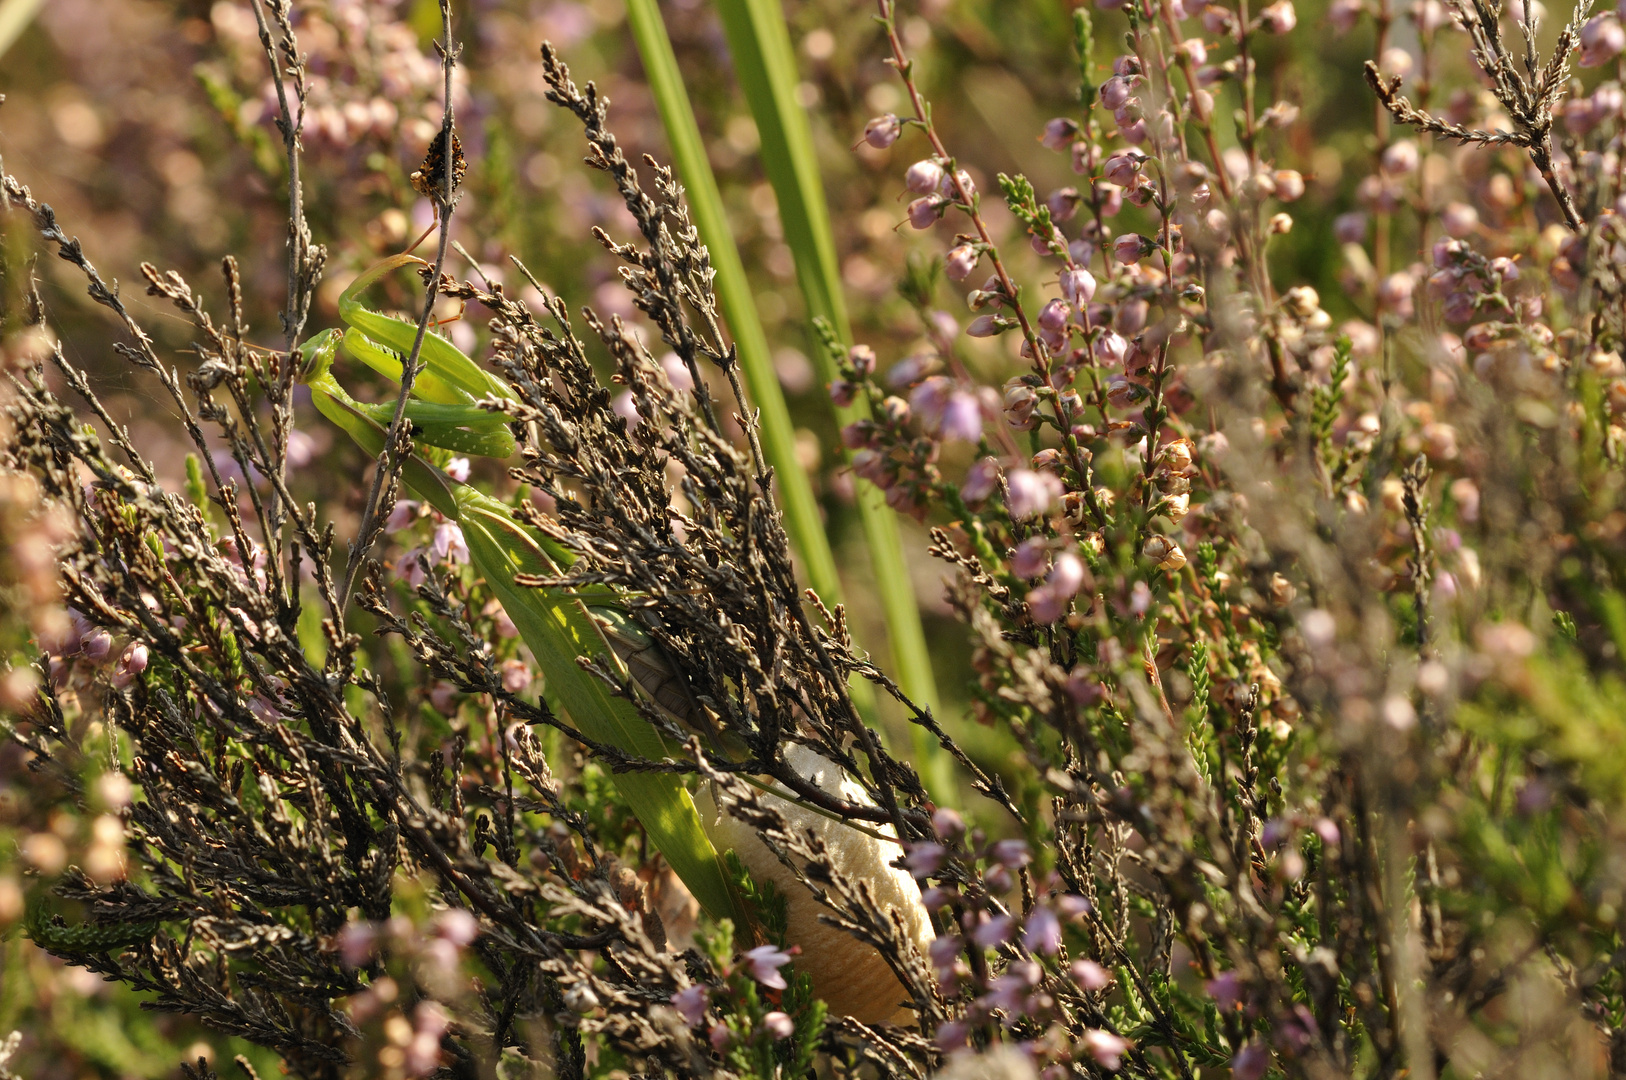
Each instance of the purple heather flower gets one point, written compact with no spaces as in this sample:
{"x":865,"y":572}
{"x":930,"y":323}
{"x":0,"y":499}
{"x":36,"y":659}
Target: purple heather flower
{"x":458,"y":469}
{"x":690,"y":1002}
{"x":1106,"y":1048}
{"x":1250,"y":1062}
{"x":962,"y":418}
{"x":980,"y":480}
{"x":923,"y":177}
{"x":1059,"y":133}
{"x":930,"y":399}
{"x":1327,"y":829}
{"x":1129,"y":248}
{"x":1054,"y":315}
{"x":1116,"y":92}
{"x":952,"y":1035}
{"x":1090,"y":975}
{"x":1031,"y":558}
{"x":1031,"y":493}
{"x":996,"y":931}
{"x":925,"y":859}
{"x":944,"y":951}
{"x":924,"y":211}
{"x":883,"y":131}
{"x":1078,"y":286}
{"x":765,"y":961}
{"x":1602,"y":39}
{"x":1279,"y":18}
{"x":131,"y":664}
{"x":947,"y":823}
{"x":936,"y":898}
{"x":1226,"y":990}
{"x":720,"y":1037}
{"x":1123,"y":167}
{"x":1045,"y":605}
{"x":778,"y":1025}
{"x":951,"y":187}
{"x":96,"y":645}
{"x":1043,"y":931}
{"x":1012,"y":854}
{"x":1350,"y":228}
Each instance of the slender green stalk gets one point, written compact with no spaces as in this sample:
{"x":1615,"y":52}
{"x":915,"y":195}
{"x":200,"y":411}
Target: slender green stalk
{"x":760,"y":44}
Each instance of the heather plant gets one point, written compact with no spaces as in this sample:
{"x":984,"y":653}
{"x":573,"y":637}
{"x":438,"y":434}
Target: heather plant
{"x":1289,"y":741}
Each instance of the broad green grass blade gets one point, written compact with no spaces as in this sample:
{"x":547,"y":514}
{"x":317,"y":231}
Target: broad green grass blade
{"x":734,"y":293}
{"x":765,"y":61}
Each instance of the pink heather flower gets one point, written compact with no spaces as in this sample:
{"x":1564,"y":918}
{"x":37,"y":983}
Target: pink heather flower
{"x":961,"y":261}
{"x":996,"y":931}
{"x":404,"y":513}
{"x":458,"y":469}
{"x":1043,"y":931}
{"x":690,"y":1003}
{"x":1289,"y":184}
{"x":1218,"y":20}
{"x":778,"y":1025}
{"x":1129,"y":248}
{"x":1343,"y":14}
{"x":96,"y":645}
{"x":953,"y":1035}
{"x":923,"y":177}
{"x":1400,"y":158}
{"x":1012,"y":854}
{"x":962,"y":418}
{"x":1059,"y":133}
{"x":1116,"y":92}
{"x":1459,"y":219}
{"x":862,"y":358}
{"x":947,"y":823}
{"x":457,"y":925}
{"x":132,"y":663}
{"x":356,"y":943}
{"x":1032,"y":493}
{"x":1045,"y":605}
{"x":719,"y":1036}
{"x":1090,"y":976}
{"x":677,"y":372}
{"x":448,"y":544}
{"x":626,"y":408}
{"x":516,"y":676}
{"x":1105,"y":1047}
{"x":951,"y":187}
{"x":1078,"y":286}
{"x":843,"y":393}
{"x":1602,"y":39}
{"x":1066,"y":575}
{"x":1111,"y":348}
{"x":883,"y":131}
{"x":924,"y":212}
{"x":1054,"y":315}
{"x":1031,"y":558}
{"x":1279,"y":18}
{"x":423,"y":1052}
{"x":930,"y":399}
{"x":765,"y":962}
{"x":301,"y":449}
{"x":1084,"y":687}
{"x":980,"y":480}
{"x":925,"y":859}
{"x":1123,"y":167}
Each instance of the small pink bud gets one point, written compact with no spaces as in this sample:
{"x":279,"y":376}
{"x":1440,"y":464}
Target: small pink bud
{"x":883,"y":131}
{"x":923,"y":177}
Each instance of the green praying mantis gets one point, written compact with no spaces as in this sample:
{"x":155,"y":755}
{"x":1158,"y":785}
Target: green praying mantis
{"x":557,"y":625}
